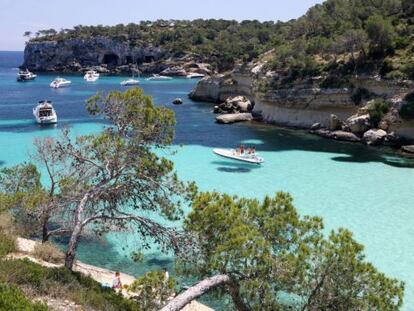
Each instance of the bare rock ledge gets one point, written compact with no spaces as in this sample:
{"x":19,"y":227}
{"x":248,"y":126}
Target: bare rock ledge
{"x":234,"y":117}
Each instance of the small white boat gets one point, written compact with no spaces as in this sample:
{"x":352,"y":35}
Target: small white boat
{"x":25,"y":75}
{"x":44,"y":113}
{"x":235,"y":155}
{"x":156,"y":77}
{"x":130,"y":82}
{"x":91,"y":76}
{"x":60,"y":82}
{"x":195,"y":75}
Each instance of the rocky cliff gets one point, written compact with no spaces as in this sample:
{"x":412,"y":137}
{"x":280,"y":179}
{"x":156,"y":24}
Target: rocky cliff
{"x":105,"y":54}
{"x":304,"y":103}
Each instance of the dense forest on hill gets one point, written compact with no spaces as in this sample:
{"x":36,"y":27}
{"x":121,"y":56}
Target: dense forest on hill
{"x":349,"y":37}
{"x":338,"y":36}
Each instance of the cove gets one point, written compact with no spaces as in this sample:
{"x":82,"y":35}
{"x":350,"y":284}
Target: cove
{"x":364,"y":189}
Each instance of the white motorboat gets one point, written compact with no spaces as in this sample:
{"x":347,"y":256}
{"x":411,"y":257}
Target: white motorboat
{"x":60,"y":82}
{"x":195,"y":75}
{"x":130,"y":82}
{"x":44,"y":113}
{"x":236,"y":155}
{"x":156,"y":77}
{"x":91,"y":76}
{"x":25,"y":75}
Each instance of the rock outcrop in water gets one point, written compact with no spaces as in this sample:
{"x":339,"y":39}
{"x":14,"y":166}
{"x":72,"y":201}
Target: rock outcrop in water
{"x":107,"y":55}
{"x":234,"y":117}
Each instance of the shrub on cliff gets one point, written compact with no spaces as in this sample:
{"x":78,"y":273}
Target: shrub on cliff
{"x":11,"y":298}
{"x":377,"y":110}
{"x":360,"y":94}
{"x":407,"y":110}
{"x":7,"y":244}
{"x":64,"y":284}
{"x":49,"y":253}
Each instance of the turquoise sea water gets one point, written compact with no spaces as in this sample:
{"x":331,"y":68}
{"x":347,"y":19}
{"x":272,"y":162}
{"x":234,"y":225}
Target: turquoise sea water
{"x":367,"y":190}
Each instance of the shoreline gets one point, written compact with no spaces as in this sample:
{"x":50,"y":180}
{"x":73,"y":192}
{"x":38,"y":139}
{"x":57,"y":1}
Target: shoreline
{"x":103,"y":276}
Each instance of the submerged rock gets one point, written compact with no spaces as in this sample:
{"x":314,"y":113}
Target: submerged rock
{"x":374,"y":136}
{"x":234,"y":117}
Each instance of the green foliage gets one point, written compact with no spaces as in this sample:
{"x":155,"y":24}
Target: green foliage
{"x":268,"y":249}
{"x":407,"y":110}
{"x":381,"y":33}
{"x":333,"y":81}
{"x":7,"y":244}
{"x":11,"y":298}
{"x":20,"y":186}
{"x":48,"y":252}
{"x":152,"y":290}
{"x":64,"y":284}
{"x":360,"y":94}
{"x":377,"y":110}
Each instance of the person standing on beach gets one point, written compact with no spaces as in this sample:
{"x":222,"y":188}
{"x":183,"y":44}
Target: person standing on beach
{"x":116,"y":282}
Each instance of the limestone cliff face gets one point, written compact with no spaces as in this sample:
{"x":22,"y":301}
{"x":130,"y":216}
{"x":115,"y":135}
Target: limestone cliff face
{"x":220,"y":87}
{"x":75,"y":54}
{"x":304,"y":107}
{"x":302,"y":104}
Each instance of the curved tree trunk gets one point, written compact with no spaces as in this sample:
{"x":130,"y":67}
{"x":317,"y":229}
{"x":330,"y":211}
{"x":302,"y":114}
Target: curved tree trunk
{"x":76,"y":233}
{"x":196,"y":291}
{"x":72,"y":246}
{"x":45,"y":223}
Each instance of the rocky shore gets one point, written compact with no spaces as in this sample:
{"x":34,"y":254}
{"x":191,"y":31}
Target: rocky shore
{"x":328,"y":112}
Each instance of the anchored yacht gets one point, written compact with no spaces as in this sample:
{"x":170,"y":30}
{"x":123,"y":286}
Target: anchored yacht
{"x":25,"y":75}
{"x":91,"y":76}
{"x":130,"y":82}
{"x":156,"y":77}
{"x":60,"y":82}
{"x":44,"y":113}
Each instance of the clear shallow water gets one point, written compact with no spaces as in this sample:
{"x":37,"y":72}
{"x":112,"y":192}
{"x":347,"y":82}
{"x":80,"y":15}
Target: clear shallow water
{"x":366,"y":190}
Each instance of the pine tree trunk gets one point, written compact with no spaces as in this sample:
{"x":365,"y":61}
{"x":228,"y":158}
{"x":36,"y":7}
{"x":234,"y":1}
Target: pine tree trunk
{"x":72,"y":246}
{"x":45,"y":229}
{"x":76,"y":233}
{"x":196,"y":291}
{"x":45,"y":232}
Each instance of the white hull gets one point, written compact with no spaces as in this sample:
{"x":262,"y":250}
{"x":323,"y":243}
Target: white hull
{"x":44,"y":113}
{"x":91,"y":79}
{"x":130,"y":82}
{"x":59,"y":83}
{"x":158,"y":78}
{"x":45,"y":121}
{"x":91,"y":76}
{"x":232,"y":154}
